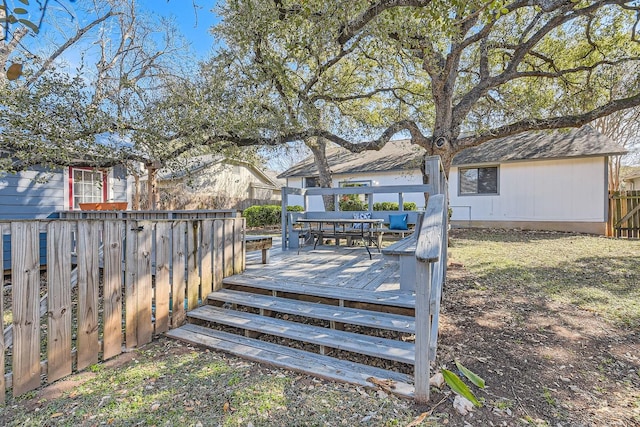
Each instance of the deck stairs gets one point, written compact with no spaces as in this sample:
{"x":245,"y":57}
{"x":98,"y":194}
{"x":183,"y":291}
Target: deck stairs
{"x":355,"y":336}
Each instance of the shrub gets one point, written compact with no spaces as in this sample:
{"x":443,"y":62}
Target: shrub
{"x":393,"y":206}
{"x":352,"y":204}
{"x":262,"y":215}
{"x":265,"y":215}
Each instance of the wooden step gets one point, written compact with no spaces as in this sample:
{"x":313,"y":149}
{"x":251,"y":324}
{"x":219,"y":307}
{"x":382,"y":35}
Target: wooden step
{"x":371,"y":319}
{"x":395,"y":350}
{"x":293,"y":359}
{"x":385,"y":298}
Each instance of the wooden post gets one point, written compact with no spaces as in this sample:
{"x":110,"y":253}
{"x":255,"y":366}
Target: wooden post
{"x":423,"y":332}
{"x":228,"y":248}
{"x":239,"y":254}
{"x":59,"y":300}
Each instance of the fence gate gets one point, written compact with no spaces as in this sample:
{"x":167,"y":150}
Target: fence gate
{"x":624,"y":214}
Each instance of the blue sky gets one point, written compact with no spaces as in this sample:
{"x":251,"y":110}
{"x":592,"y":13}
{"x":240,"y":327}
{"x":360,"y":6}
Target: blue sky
{"x":193,"y":23}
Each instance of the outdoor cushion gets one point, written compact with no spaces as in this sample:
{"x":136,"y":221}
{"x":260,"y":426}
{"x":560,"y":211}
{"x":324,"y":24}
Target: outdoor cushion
{"x":365,"y":215}
{"x":398,"y":222}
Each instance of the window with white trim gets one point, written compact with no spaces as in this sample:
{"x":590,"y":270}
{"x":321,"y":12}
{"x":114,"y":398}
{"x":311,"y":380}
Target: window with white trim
{"x":479,"y":180}
{"x":87,"y":186}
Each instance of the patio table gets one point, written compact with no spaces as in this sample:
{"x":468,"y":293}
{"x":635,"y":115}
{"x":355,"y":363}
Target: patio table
{"x":367,"y":230}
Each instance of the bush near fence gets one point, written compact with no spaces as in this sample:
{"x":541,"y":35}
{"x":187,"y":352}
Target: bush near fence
{"x":266,"y":215}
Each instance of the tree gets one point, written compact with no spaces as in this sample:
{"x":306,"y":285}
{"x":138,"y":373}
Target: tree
{"x":475,"y":71}
{"x":55,"y":115}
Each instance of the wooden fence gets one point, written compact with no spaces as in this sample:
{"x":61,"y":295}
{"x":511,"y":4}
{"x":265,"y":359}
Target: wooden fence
{"x":109,"y":284}
{"x":624,"y":214}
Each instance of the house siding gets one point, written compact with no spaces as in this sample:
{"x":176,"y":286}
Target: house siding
{"x":31,"y":194}
{"x":40,"y":193}
{"x":553,"y":191}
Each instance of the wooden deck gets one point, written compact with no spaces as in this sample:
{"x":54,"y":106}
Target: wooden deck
{"x":329,"y":312}
{"x":347,"y":267}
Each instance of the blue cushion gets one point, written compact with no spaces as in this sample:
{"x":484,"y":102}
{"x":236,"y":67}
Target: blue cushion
{"x":398,"y":222}
{"x":359,"y":225}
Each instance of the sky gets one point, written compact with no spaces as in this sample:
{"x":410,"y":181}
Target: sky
{"x":194,"y":23}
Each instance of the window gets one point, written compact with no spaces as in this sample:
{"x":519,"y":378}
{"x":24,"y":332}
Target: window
{"x":479,"y":180}
{"x":311,"y":181}
{"x":87,"y":186}
{"x":366,"y":183}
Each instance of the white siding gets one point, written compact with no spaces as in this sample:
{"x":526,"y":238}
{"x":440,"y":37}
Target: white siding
{"x":554,"y":190}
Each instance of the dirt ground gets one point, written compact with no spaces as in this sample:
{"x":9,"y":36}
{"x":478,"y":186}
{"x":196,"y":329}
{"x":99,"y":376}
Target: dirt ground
{"x":544,"y":362}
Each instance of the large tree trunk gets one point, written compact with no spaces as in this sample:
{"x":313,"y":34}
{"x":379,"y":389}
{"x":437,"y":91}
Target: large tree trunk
{"x":318,"y":147}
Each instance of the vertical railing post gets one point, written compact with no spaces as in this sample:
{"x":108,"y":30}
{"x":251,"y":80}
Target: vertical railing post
{"x":423,"y":331}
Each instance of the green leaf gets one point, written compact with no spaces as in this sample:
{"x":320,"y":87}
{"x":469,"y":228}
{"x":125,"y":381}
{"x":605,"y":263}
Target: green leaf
{"x":30,"y":24}
{"x":12,"y":19}
{"x":472,"y":376}
{"x":458,"y":387}
{"x":20,"y":11}
{"x":25,"y":2}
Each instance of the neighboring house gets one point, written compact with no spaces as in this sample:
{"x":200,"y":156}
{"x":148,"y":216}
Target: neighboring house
{"x":539,"y":180}
{"x":39,"y":192}
{"x":631,"y":178}
{"x":397,"y":163}
{"x":212,"y":182}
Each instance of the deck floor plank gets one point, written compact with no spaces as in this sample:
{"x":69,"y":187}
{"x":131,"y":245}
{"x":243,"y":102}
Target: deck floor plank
{"x":388,"y":321}
{"x":294,"y":359}
{"x":384,"y":348}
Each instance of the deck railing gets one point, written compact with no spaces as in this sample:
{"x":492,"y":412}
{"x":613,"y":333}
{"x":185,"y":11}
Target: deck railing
{"x":109,"y":284}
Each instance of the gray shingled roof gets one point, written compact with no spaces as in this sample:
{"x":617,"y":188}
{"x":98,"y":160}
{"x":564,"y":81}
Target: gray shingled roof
{"x":558,"y":144}
{"x":394,"y":156}
{"x":401,"y":155}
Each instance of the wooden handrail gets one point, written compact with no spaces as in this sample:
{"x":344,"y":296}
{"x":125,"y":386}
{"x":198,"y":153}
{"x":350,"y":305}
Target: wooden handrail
{"x":429,"y":244}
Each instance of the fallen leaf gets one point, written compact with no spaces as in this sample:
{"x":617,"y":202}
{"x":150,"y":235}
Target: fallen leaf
{"x":57,"y":414}
{"x":382,"y":383}
{"x":419,"y":419}
{"x":155,"y":407}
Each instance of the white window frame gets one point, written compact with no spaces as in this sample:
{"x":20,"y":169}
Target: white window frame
{"x":461,"y":172}
{"x":73,"y":186}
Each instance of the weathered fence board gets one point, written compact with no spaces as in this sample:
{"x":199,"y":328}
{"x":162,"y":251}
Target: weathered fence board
{"x":88,"y":281}
{"x":206,"y":265}
{"x":193,"y":279}
{"x":228,"y":249}
{"x":624,"y":214}
{"x":136,"y":270}
{"x":2,"y":383}
{"x":218,"y":253}
{"x":25,"y":304}
{"x":144,"y":321}
{"x":131,"y":284}
{"x":238,"y":246}
{"x":163,"y":285}
{"x":112,"y":290}
{"x":178,"y":269}
{"x":59,"y":302}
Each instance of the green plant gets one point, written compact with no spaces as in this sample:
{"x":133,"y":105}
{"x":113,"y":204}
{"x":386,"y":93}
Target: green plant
{"x":351,"y":202}
{"x":295,"y":208}
{"x":459,"y":387}
{"x":393,"y":206}
{"x":262,"y":215}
